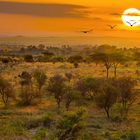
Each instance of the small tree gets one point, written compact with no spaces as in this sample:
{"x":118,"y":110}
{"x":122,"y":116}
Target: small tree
{"x":106,"y":97}
{"x":69,"y":76}
{"x":25,"y":78}
{"x":70,"y":95}
{"x":127,"y":95}
{"x":117,"y":59}
{"x":56,"y":86}
{"x":6,"y":91}
{"x":6,"y":60}
{"x":40,"y":78}
{"x":27,"y":94}
{"x":28,"y":58}
{"x":57,"y":59}
{"x":75,"y":60}
{"x":88,"y":85}
{"x":76,"y":65}
{"x":105,"y":58}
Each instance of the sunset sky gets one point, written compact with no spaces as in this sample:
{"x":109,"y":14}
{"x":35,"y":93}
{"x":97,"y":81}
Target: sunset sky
{"x":65,"y":17}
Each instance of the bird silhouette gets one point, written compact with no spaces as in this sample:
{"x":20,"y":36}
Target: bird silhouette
{"x":112,"y":26}
{"x":86,"y":31}
{"x":131,"y":24}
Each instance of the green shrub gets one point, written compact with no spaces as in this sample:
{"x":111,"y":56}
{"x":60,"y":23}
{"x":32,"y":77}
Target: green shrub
{"x":41,"y":134}
{"x":116,"y":119}
{"x":12,"y":128}
{"x":71,"y":126}
{"x":43,"y":120}
{"x":28,"y":58}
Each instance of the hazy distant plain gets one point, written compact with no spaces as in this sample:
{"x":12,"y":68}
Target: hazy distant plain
{"x":75,"y":40}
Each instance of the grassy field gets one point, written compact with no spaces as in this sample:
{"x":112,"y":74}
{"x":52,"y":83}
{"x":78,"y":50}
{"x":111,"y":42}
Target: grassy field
{"x":26,"y":122}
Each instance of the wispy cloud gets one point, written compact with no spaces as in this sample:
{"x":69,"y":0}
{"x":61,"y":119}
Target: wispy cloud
{"x":115,"y":14}
{"x":132,"y":14}
{"x":44,"y":10}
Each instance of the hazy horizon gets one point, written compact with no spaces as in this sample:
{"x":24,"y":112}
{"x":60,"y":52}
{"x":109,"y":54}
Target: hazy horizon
{"x":71,"y":40}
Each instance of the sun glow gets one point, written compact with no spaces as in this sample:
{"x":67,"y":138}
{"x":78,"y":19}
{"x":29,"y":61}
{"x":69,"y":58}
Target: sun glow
{"x":131,"y":17}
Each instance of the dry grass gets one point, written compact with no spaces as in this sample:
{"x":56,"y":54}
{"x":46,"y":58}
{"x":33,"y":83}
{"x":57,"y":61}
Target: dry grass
{"x":97,"y":121}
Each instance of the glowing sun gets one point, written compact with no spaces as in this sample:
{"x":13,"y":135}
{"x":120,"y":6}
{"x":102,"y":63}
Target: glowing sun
{"x":131,"y":17}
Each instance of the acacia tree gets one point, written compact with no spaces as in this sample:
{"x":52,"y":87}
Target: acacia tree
{"x":25,"y":78}
{"x":27,"y":94}
{"x":75,"y":60}
{"x":117,"y":59}
{"x":69,"y":76}
{"x":105,"y":58}
{"x":70,"y":95}
{"x":127,"y":95}
{"x":57,"y":86}
{"x":40,"y":78}
{"x":88,"y":85}
{"x":6,"y":91}
{"x":107,"y":96}
{"x":28,"y":58}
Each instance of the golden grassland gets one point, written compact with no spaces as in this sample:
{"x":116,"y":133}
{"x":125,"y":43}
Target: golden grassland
{"x":98,"y":125}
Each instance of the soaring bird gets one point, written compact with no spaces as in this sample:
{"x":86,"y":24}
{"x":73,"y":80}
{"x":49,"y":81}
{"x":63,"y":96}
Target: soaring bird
{"x":86,"y":31}
{"x":112,"y":26}
{"x":131,"y":24}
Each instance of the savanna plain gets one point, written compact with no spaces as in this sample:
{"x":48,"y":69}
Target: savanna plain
{"x":69,"y":93}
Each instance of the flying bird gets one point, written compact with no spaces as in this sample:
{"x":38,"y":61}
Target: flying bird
{"x":131,"y":24}
{"x":112,"y":26}
{"x":86,"y":31}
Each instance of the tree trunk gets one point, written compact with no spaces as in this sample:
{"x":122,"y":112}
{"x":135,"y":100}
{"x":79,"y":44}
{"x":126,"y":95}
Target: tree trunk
{"x":107,"y":73}
{"x":67,"y":107}
{"x":115,"y":72}
{"x":58,"y":104}
{"x":5,"y":99}
{"x":107,"y":112}
{"x":68,"y":104}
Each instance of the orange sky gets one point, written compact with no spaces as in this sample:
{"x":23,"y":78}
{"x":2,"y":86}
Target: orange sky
{"x":48,"y":17}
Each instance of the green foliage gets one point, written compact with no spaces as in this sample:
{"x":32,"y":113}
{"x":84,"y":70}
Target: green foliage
{"x":71,"y":126}
{"x":116,"y":119}
{"x":126,"y":92}
{"x":69,"y":76}
{"x":46,"y":57}
{"x":43,"y":58}
{"x":11,"y":129}
{"x":75,"y":59}
{"x":57,"y":59}
{"x":40,"y":78}
{"x":88,"y":85}
{"x":104,"y":58}
{"x":130,"y":136}
{"x":117,"y":59}
{"x":107,"y":96}
{"x":56,"y":86}
{"x":41,"y":133}
{"x":6,"y":60}
{"x":28,"y":58}
{"x":44,"y":120}
{"x":75,"y":64}
{"x":47,"y":53}
{"x":70,"y":95}
{"x":27,"y":94}
{"x":109,"y":58}
{"x":6,"y":91}
{"x":25,"y":78}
